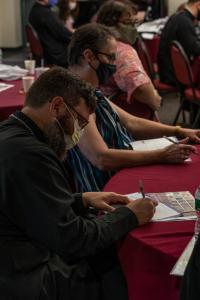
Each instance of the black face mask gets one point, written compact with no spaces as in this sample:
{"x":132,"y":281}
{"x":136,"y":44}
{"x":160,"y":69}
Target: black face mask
{"x":104,"y":71}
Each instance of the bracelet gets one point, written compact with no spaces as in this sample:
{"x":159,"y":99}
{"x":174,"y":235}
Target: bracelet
{"x":177,"y":131}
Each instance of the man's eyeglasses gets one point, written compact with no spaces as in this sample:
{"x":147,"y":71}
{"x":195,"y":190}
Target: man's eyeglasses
{"x":111,"y":57}
{"x":82,"y":121}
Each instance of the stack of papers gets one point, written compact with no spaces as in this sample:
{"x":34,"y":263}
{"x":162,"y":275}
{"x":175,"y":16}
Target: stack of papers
{"x":172,"y":206}
{"x":162,"y":211}
{"x":11,"y":72}
{"x":152,"y":144}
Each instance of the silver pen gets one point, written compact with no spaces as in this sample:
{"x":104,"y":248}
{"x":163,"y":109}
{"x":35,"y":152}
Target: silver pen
{"x":176,"y":143}
{"x":141,"y":186}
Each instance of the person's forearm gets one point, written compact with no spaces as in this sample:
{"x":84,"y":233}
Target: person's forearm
{"x":146,"y":129}
{"x":116,"y":159}
{"x":148,"y":95}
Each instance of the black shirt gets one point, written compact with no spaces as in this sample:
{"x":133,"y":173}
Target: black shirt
{"x":180,"y":27}
{"x":48,"y":244}
{"x":53,"y":35}
{"x":191,"y":281}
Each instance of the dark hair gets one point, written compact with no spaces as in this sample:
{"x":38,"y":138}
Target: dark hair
{"x":92,"y":36}
{"x":192,"y":1}
{"x":111,"y":11}
{"x":64,"y":11}
{"x":60,"y":82}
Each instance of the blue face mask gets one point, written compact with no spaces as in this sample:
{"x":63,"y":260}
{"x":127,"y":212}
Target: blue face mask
{"x":53,"y":2}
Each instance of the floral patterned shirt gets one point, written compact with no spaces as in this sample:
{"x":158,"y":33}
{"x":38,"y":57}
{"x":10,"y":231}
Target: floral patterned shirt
{"x":130,"y":73}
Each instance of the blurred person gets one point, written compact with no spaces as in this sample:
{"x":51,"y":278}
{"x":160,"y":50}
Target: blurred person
{"x":50,"y":246}
{"x":67,"y":11}
{"x":53,"y":35}
{"x":130,"y":77}
{"x":105,"y":145}
{"x":180,"y":27}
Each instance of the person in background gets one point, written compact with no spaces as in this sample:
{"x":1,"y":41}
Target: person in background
{"x":130,"y":79}
{"x":180,"y":27}
{"x":53,"y":35}
{"x":67,"y":11}
{"x":105,"y":145}
{"x":50,"y":247}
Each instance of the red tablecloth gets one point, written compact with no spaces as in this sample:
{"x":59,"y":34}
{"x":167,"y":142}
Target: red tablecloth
{"x":148,"y":253}
{"x":11,"y":99}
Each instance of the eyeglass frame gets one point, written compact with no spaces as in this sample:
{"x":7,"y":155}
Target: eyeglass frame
{"x":111,"y":57}
{"x":82,"y":121}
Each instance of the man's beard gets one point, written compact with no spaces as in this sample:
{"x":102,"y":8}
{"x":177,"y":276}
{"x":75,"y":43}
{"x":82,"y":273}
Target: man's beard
{"x":55,"y":139}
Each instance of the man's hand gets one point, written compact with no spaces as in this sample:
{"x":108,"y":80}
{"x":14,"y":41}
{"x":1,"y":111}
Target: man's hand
{"x":103,"y":201}
{"x":144,"y":209}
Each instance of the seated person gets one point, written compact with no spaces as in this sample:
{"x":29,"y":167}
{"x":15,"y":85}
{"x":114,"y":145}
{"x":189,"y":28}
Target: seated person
{"x":104,"y":146}
{"x":53,"y":36}
{"x":180,"y":27}
{"x":67,"y":11}
{"x":130,"y":77}
{"x":191,"y":279}
{"x":50,"y":248}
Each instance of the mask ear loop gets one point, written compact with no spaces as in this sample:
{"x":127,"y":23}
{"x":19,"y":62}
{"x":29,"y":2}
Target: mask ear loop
{"x":60,"y":127}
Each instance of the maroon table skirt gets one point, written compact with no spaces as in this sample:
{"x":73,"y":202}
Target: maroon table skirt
{"x":148,"y":253}
{"x":11,"y":99}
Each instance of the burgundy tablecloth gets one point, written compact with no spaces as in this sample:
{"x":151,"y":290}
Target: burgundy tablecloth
{"x":148,"y":253}
{"x":11,"y":99}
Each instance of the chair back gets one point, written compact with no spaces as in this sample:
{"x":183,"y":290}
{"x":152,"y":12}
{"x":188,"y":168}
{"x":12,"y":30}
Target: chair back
{"x":181,"y":65}
{"x":145,"y":58}
{"x":35,"y":45}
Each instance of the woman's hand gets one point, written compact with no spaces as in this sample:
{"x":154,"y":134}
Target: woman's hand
{"x":192,"y":134}
{"x":103,"y":200}
{"x":177,"y":153}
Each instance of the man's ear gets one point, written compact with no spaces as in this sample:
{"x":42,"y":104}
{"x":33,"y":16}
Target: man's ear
{"x":88,"y":55}
{"x":56,"y":106}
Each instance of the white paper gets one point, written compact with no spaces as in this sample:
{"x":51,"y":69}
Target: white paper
{"x":181,"y":264}
{"x":155,"y":26}
{"x":162,"y":210}
{"x":4,"y":86}
{"x":11,"y":72}
{"x":152,"y":144}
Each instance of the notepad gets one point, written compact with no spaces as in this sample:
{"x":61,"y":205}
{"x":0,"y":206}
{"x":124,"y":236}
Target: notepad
{"x":152,"y":144}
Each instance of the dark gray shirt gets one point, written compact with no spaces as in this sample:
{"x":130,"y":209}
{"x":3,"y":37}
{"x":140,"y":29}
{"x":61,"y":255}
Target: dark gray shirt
{"x":47,"y":241}
{"x":180,"y":27}
{"x":53,"y":36}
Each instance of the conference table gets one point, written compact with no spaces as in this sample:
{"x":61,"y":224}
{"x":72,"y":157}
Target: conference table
{"x":11,"y":99}
{"x":148,"y":253}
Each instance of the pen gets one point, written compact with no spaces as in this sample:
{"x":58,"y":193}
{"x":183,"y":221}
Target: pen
{"x":141,"y":186}
{"x":175,"y":142}
{"x":169,"y":139}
